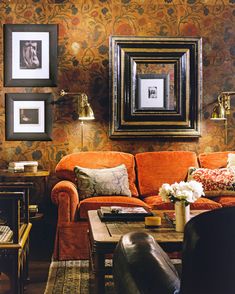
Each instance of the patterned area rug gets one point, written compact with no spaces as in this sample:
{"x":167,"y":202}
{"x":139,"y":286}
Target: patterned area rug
{"x":73,"y":277}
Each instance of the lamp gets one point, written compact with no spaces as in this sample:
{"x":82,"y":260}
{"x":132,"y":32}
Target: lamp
{"x":85,"y":111}
{"x":222,"y":109}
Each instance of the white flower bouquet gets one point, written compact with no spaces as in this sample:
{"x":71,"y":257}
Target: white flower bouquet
{"x":188,"y":192}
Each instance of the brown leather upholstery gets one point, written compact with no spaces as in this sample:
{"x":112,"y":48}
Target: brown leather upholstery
{"x":208,"y":258}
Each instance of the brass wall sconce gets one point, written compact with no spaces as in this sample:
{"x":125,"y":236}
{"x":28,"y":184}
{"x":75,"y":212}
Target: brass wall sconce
{"x":222,"y":109}
{"x":85,"y":111}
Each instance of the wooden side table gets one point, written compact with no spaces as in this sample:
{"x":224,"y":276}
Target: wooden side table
{"x":9,"y":176}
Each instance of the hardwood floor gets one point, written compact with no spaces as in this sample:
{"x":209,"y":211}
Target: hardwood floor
{"x":41,"y":248}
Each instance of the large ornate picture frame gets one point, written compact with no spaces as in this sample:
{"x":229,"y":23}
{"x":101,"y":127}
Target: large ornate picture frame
{"x":30,"y":55}
{"x":28,"y":116}
{"x":156,"y":87}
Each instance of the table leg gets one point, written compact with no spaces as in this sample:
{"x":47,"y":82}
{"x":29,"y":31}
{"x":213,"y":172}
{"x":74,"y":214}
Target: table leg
{"x":99,"y":272}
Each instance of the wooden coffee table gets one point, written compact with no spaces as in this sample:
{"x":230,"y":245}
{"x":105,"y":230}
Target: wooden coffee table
{"x":104,"y":236}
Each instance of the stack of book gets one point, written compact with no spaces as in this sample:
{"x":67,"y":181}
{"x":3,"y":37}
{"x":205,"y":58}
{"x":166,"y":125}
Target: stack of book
{"x":6,"y":234}
{"x":19,"y":166}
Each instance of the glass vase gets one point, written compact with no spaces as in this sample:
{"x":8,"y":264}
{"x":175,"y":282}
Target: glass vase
{"x":182,"y":215}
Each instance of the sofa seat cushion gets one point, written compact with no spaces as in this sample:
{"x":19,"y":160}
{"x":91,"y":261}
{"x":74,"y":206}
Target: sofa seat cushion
{"x":155,"y":202}
{"x":225,"y":201}
{"x":94,"y":203}
{"x":157,"y":168}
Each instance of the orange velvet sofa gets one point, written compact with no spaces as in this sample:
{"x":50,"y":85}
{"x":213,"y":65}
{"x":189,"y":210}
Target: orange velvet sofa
{"x":147,"y":171}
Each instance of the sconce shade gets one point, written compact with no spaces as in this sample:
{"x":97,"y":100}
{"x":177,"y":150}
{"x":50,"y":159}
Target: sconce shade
{"x":218,"y":112}
{"x":86,"y":113}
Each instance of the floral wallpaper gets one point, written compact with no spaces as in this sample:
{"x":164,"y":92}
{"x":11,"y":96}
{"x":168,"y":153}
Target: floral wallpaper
{"x":83,"y":65}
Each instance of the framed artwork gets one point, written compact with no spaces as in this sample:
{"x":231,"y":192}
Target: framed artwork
{"x":30,"y":55}
{"x":155,"y":87}
{"x":28,"y":116}
{"x":152,"y":91}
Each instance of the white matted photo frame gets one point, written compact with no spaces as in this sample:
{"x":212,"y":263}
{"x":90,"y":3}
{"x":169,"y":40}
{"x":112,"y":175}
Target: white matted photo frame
{"x":28,"y":116}
{"x":153,"y":91}
{"x":30,"y":55}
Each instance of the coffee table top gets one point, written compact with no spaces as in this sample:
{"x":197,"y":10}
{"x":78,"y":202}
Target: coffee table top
{"x":111,"y":232}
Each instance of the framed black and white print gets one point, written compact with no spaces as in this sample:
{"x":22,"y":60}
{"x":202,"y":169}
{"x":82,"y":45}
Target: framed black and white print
{"x":30,"y":55}
{"x":155,"y":87}
{"x":28,"y":116}
{"x":153,"y":91}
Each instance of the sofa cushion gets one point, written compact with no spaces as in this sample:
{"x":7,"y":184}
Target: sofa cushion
{"x":94,"y":203}
{"x":157,"y":168}
{"x":225,"y":201}
{"x":231,"y":160}
{"x":102,"y":181}
{"x":214,"y":159}
{"x":97,"y":159}
{"x":216,"y":182}
{"x":155,"y":202}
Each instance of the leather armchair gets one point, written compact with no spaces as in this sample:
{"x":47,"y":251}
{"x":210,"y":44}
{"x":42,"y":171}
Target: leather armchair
{"x":208,"y":259}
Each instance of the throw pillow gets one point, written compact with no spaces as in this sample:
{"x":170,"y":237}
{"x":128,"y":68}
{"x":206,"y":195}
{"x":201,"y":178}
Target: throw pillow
{"x":102,"y":181}
{"x":231,"y":160}
{"x":216,"y":182}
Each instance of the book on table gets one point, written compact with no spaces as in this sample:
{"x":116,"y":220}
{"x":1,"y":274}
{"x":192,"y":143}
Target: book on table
{"x":120,"y":213}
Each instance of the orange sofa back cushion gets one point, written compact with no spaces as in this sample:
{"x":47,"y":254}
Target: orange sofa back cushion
{"x":157,"y":168}
{"x":97,"y":159}
{"x":214,"y":160}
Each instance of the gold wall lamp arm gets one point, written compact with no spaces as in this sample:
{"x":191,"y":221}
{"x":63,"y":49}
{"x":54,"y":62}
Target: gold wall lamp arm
{"x":85,"y":111}
{"x":222,"y":109}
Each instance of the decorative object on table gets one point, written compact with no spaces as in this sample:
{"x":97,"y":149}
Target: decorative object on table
{"x":30,"y":55}
{"x":120,"y":213}
{"x":181,"y":194}
{"x":221,"y":110}
{"x":155,"y":86}
{"x":19,"y":166}
{"x":28,"y":116}
{"x":152,"y":221}
{"x":85,"y":111}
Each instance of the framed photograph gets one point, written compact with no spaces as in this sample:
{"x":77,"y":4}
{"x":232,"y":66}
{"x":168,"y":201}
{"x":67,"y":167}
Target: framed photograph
{"x":28,"y":116}
{"x":30,"y":55}
{"x":155,"y":87}
{"x":153,"y":91}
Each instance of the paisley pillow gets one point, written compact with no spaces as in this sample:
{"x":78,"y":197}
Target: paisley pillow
{"x":102,"y":181}
{"x":215,"y":182}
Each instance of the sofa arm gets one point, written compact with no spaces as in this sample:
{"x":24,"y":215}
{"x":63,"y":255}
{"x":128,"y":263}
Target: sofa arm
{"x":141,"y":266}
{"x":65,"y":195}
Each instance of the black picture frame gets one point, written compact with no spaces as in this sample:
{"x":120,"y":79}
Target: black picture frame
{"x":179,"y":60}
{"x":30,"y":55}
{"x":28,"y":116}
{"x":152,"y":92}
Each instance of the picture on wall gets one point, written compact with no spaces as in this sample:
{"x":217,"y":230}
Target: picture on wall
{"x":30,"y":55}
{"x":28,"y":116}
{"x":153,"y":91}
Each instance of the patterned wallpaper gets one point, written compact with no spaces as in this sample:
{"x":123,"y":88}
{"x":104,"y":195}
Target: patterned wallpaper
{"x":83,"y":65}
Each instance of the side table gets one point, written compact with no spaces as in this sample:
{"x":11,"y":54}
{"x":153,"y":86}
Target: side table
{"x":9,"y":176}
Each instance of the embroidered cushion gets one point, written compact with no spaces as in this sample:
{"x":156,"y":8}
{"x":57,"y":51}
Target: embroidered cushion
{"x":216,"y":182}
{"x":102,"y":181}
